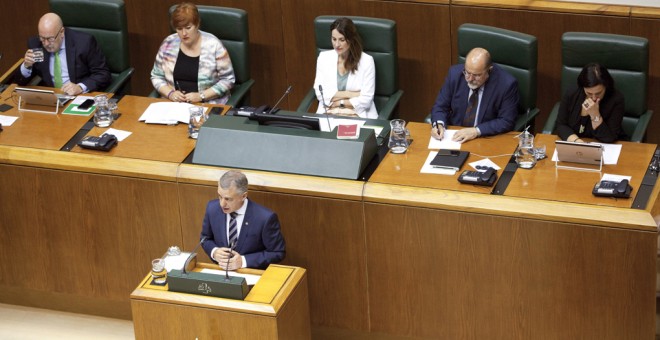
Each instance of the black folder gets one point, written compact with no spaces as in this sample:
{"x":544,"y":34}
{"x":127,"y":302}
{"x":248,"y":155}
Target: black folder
{"x":450,"y":159}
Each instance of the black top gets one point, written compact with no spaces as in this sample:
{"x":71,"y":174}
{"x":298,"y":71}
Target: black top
{"x":570,"y":122}
{"x":185,"y":73}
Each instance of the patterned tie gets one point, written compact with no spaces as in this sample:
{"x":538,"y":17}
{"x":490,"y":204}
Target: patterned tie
{"x":57,"y":69}
{"x":232,"y":230}
{"x":471,"y":111}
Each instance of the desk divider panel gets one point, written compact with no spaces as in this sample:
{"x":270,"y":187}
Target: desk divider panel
{"x":237,"y":142}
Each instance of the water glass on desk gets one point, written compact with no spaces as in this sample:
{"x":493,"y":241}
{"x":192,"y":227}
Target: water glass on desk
{"x":103,"y":116}
{"x":197,"y":119}
{"x":398,"y":139}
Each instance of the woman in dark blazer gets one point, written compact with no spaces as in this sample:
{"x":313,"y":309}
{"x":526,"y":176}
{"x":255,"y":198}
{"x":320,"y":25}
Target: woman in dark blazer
{"x":592,"y":110}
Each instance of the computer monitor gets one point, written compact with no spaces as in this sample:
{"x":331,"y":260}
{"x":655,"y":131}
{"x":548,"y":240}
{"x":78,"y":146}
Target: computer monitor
{"x":286,"y":121}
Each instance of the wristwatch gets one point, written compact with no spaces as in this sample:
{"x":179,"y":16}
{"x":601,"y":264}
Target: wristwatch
{"x":341,"y":104}
{"x":201,"y":95}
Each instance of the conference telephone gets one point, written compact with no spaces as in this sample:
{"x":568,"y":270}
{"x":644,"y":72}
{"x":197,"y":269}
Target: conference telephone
{"x":104,"y":143}
{"x":619,"y":189}
{"x":485,"y":178}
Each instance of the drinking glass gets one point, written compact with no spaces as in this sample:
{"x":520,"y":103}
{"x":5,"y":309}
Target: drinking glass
{"x":103,"y":115}
{"x":197,"y":119}
{"x":398,"y":140}
{"x":38,"y":54}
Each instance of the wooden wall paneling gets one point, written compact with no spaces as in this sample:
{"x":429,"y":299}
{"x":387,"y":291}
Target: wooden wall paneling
{"x":324,"y":236}
{"x":474,"y":276}
{"x":86,"y":235}
{"x":650,"y":29}
{"x":548,"y":28}
{"x":18,"y":28}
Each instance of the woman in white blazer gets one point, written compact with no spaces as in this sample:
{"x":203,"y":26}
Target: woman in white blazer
{"x":346,"y":74}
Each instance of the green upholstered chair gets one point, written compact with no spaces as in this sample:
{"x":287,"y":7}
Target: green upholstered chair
{"x":516,"y":53}
{"x":627,"y":60}
{"x":106,"y":21}
{"x":379,"y":41}
{"x":230,"y":25}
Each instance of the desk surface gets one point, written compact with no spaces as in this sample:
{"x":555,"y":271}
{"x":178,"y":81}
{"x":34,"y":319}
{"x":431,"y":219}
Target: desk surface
{"x":38,"y":130}
{"x":404,"y":169}
{"x":168,"y":143}
{"x":547,"y":182}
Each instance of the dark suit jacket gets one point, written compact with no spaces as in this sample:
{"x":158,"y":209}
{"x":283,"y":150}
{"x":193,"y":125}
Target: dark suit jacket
{"x":612,"y":109}
{"x":260,"y":240}
{"x":499,"y":102}
{"x":84,"y":59}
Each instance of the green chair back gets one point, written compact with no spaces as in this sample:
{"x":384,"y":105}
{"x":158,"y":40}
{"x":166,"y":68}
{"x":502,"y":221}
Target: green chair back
{"x":379,"y":40}
{"x":515,"y":52}
{"x":230,"y":25}
{"x":106,"y":21}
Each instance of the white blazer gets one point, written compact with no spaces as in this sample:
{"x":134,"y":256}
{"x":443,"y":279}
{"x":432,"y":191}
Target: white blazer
{"x":363,"y":80}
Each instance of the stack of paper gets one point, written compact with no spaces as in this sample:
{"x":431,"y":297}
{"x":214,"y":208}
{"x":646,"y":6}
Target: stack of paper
{"x":167,"y":113}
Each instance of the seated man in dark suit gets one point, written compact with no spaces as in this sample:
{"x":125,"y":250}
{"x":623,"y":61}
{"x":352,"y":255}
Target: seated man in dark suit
{"x":240,"y":230}
{"x":478,"y":95}
{"x":72,"y":60}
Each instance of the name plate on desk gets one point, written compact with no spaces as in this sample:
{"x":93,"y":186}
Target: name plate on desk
{"x":207,"y":284}
{"x":238,"y":142}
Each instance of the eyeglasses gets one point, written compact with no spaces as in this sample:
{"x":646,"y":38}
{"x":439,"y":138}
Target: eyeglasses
{"x":51,"y":39}
{"x":473,"y":75}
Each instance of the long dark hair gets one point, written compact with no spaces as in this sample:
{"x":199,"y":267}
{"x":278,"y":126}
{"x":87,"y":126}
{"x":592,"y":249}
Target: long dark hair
{"x":595,"y":74}
{"x":347,"y":28}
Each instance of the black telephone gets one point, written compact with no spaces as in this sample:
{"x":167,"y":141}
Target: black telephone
{"x":612,"y":189}
{"x":104,"y":143}
{"x":485,"y":178}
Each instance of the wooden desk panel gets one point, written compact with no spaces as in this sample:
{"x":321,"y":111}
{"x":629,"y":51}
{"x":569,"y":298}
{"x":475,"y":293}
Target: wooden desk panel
{"x":168,"y":143}
{"x":37,"y":130}
{"x":477,"y":276}
{"x":547,"y":182}
{"x":404,"y":169}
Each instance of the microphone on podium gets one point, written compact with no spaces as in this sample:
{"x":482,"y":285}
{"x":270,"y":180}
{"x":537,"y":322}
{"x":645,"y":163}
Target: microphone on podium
{"x":325,"y":107}
{"x":192,"y":255}
{"x":274,"y":108}
{"x":231,"y":250}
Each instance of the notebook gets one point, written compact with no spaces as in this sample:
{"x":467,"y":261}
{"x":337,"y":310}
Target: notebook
{"x":588,"y":154}
{"x":450,"y":159}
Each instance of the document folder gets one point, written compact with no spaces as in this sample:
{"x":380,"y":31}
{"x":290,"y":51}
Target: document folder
{"x":450,"y":159}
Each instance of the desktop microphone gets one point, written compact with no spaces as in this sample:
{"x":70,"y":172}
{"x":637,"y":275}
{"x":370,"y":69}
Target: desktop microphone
{"x":288,"y":90}
{"x":325,"y":107}
{"x":192,"y":254}
{"x":231,"y":250}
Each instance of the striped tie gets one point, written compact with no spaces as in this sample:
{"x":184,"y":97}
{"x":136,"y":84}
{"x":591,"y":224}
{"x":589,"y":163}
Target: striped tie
{"x":471,"y":111}
{"x":233,"y":231}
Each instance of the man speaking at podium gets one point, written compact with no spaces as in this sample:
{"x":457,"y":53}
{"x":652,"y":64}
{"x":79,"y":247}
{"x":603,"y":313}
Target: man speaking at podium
{"x":240,"y":233}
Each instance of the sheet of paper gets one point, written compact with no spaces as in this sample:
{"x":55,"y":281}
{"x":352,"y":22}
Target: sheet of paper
{"x":615,"y":178}
{"x":167,"y":113}
{"x":445,"y":143}
{"x":377,"y":129}
{"x":427,"y":168}
{"x":611,"y":153}
{"x":120,"y":134}
{"x":250,"y":279}
{"x":484,"y":162}
{"x":7,"y":120}
{"x":175,"y":261}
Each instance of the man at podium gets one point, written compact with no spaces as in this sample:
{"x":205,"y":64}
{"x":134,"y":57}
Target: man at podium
{"x":240,"y":233}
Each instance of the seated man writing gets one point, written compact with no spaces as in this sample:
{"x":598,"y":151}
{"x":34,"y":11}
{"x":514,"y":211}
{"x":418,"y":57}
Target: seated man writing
{"x":240,"y":233}
{"x":479,"y":95}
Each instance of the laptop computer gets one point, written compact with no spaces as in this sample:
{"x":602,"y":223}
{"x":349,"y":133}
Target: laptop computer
{"x":36,"y":100}
{"x":569,"y":154}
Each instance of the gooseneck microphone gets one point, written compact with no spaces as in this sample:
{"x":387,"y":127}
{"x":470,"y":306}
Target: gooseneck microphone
{"x":231,"y":250}
{"x":325,"y":107}
{"x":192,"y":254}
{"x":288,"y":90}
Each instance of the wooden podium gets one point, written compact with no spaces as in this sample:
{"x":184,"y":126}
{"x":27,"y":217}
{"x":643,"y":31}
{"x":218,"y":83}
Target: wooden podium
{"x":277,"y":307}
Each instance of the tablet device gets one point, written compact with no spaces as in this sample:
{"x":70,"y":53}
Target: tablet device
{"x":579,"y":153}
